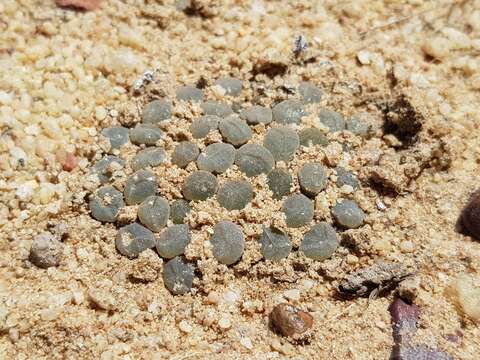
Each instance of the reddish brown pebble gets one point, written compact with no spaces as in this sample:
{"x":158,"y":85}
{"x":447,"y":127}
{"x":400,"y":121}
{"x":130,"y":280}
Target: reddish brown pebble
{"x":289,"y":320}
{"x":470,"y":216}
{"x":79,"y":4}
{"x":70,"y":162}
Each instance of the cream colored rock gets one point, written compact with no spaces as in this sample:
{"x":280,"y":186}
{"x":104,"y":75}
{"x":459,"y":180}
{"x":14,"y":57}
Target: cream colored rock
{"x":464,"y":293}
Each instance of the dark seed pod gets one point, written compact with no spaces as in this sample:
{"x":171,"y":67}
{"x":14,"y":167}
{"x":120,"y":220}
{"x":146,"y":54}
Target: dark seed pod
{"x":470,"y":216}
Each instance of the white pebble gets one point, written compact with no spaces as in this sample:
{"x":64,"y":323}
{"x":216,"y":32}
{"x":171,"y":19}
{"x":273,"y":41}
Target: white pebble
{"x":5,"y":98}
{"x":185,"y":327}
{"x":363,"y":57}
{"x":246,"y":342}
{"x":292,"y":294}
{"x":224,"y":323}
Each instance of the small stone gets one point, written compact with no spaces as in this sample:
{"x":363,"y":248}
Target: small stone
{"x":332,"y":119}
{"x":179,"y":210}
{"x":189,"y":93}
{"x":117,"y":135}
{"x":407,"y":246}
{"x":235,"y":194}
{"x":153,"y":212}
{"x":173,"y":240}
{"x":216,"y":108}
{"x":70,"y":162}
{"x":254,"y":159}
{"x":147,"y":134}
{"x":279,"y":182}
{"x":132,"y":239}
{"x":184,"y":153}
{"x":79,"y":4}
{"x":470,"y":216}
{"x":288,"y":112}
{"x":363,"y":57}
{"x":102,"y":299}
{"x":292,"y":294}
{"x":106,"y":166}
{"x":224,"y":323}
{"x":200,"y":185}
{"x":311,"y":137}
{"x":289,"y":320}
{"x":216,"y":158}
{"x":310,"y":93}
{"x":228,"y":242}
{"x":298,"y":210}
{"x":282,"y":142}
{"x":357,"y":127}
{"x":178,"y":276}
{"x":320,"y":242}
{"x":149,"y":157}
{"x":139,"y":186}
{"x":185,"y":327}
{"x":257,"y":114}
{"x":312,"y":178}
{"x":345,"y":177}
{"x":464,"y":293}
{"x":348,"y":215}
{"x":156,"y":111}
{"x":202,"y":126}
{"x":275,"y":244}
{"x":46,"y":250}
{"x":106,"y":203}
{"x":235,"y":130}
{"x":232,"y":86}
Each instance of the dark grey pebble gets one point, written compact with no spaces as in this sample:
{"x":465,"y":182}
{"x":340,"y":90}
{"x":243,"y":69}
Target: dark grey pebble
{"x":275,"y":244}
{"x":282,"y":142}
{"x":147,"y":134}
{"x":178,"y":276}
{"x":348,"y":214}
{"x":312,"y":178}
{"x":202,"y":126}
{"x":257,"y":114}
{"x":216,"y":158}
{"x":310,"y":93}
{"x":332,"y":119}
{"x":254,"y":159}
{"x":179,"y":209}
{"x":288,"y":112}
{"x":151,"y":156}
{"x":189,"y":93}
{"x":106,"y":203}
{"x":132,"y":239}
{"x":216,"y":108}
{"x":139,"y":186}
{"x":117,"y":135}
{"x":173,"y":240}
{"x":200,"y":185}
{"x":153,"y":212}
{"x":46,"y":250}
{"x":232,"y":86}
{"x":103,"y":167}
{"x":279,"y":182}
{"x":345,"y":177}
{"x":298,"y":210}
{"x":228,"y":242}
{"x":235,"y":130}
{"x":320,"y":242}
{"x":235,"y":194}
{"x":156,"y":111}
{"x":185,"y":153}
{"x":358,"y":127}
{"x":311,"y":137}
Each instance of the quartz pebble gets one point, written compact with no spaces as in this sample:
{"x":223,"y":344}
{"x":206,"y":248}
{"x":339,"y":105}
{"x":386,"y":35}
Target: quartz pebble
{"x":332,"y":119}
{"x":46,"y":250}
{"x":312,"y":178}
{"x":178,"y":276}
{"x":288,"y":112}
{"x":254,"y":159}
{"x":184,"y":153}
{"x":153,"y":212}
{"x":132,"y":239}
{"x":235,"y":194}
{"x":151,"y":156}
{"x":348,"y":214}
{"x":279,"y":182}
{"x":275,"y":244}
{"x":320,"y":242}
{"x":228,"y":242}
{"x":117,"y":135}
{"x":311,"y":137}
{"x":200,"y":185}
{"x":345,"y":177}
{"x":106,"y":203}
{"x":235,"y":130}
{"x":282,"y":142}
{"x":189,"y":93}
{"x":232,"y":86}
{"x":310,"y":93}
{"x":179,"y":209}
{"x":139,"y":186}
{"x":298,"y":210}
{"x":216,"y":158}
{"x":202,"y":126}
{"x":106,"y":166}
{"x":147,"y":134}
{"x":257,"y":114}
{"x":156,"y":111}
{"x":216,"y":108}
{"x":173,"y":240}
{"x":289,"y":320}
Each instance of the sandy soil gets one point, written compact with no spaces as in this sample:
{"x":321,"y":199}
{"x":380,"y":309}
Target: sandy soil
{"x":65,"y":75}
